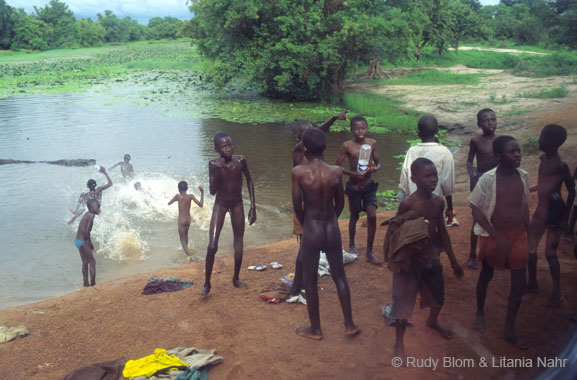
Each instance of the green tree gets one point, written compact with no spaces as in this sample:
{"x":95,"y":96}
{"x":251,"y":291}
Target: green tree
{"x":6,"y":25}
{"x":300,"y":48}
{"x":116,"y":30}
{"x":90,"y":33}
{"x":30,"y":33}
{"x":163,"y":28}
{"x":60,"y":18}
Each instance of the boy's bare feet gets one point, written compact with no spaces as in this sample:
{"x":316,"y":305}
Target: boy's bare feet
{"x":205,"y":291}
{"x":308,"y":332}
{"x":353,"y":330}
{"x":353,"y":249}
{"x":472,"y":263}
{"x":532,"y":289}
{"x":512,"y":338}
{"x":554,"y":301}
{"x":443,"y":331}
{"x":238,"y":284}
{"x":479,"y":324}
{"x":371,"y":258}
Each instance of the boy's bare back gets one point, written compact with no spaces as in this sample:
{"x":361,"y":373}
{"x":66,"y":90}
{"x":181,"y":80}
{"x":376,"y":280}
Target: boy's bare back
{"x":85,"y":227}
{"x":320,"y":184}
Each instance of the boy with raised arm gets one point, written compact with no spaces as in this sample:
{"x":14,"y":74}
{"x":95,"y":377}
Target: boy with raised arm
{"x":84,"y":244}
{"x":425,"y":272}
{"x":225,"y":177}
{"x":361,"y":189}
{"x":481,"y":146}
{"x":184,"y":201}
{"x":552,"y":212}
{"x":93,"y":193}
{"x":318,"y":200}
{"x":441,"y":156}
{"x":500,"y":211}
{"x":126,"y":167}
{"x":298,"y":155}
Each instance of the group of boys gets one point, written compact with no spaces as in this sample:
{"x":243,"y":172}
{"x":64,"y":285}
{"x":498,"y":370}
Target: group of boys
{"x":502,"y":231}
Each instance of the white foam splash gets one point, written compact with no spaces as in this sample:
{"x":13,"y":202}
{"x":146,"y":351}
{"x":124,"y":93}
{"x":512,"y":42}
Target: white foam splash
{"x":130,"y":218}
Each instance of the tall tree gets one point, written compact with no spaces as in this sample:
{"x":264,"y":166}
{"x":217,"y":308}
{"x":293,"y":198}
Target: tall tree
{"x":60,"y":18}
{"x":296,"y":48}
{"x":6,"y":25}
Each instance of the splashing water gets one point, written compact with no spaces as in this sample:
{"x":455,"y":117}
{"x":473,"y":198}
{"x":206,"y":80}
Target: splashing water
{"x":130,"y":218}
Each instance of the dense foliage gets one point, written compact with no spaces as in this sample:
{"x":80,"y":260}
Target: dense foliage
{"x":55,"y":26}
{"x":304,"y":48}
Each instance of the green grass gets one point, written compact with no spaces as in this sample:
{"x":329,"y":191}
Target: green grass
{"x":67,"y":70}
{"x":557,"y":92}
{"x":382,"y":113}
{"x":531,"y":146}
{"x":517,"y":112}
{"x":435,"y":77}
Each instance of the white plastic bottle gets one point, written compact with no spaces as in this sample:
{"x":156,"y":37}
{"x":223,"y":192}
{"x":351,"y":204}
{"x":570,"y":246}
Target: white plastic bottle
{"x":364,"y":158}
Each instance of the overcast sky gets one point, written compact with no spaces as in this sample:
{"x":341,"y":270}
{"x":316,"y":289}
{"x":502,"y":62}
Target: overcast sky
{"x":140,"y":10}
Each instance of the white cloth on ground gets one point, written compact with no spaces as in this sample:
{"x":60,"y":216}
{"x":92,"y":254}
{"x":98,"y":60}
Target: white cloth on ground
{"x":324,"y":268}
{"x":10,"y":333}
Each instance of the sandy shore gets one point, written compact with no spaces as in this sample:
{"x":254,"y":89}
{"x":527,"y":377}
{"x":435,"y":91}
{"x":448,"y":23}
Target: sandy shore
{"x":257,"y":339}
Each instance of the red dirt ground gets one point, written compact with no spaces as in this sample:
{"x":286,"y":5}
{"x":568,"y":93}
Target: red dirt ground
{"x":257,"y":339}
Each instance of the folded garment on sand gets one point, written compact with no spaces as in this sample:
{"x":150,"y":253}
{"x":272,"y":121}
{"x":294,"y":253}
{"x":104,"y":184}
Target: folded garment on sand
{"x":164,"y":285}
{"x":192,"y":357}
{"x":10,"y":333}
{"x":324,"y":268}
{"x":98,"y":371}
{"x":275,"y":292}
{"x":158,"y":362}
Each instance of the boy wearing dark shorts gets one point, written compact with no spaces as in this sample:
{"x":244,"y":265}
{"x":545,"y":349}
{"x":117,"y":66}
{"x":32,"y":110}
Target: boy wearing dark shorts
{"x":361,"y":189}
{"x":424,"y":272}
{"x":501,"y":213}
{"x":552,"y":212}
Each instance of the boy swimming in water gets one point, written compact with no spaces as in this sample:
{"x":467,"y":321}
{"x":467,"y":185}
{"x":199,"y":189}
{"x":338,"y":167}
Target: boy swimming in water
{"x":318,"y":200}
{"x":184,"y":201}
{"x":126,"y":167}
{"x":225,"y":176}
{"x":84,"y":244}
{"x":481,"y":147}
{"x":552,"y":212}
{"x":361,"y":189}
{"x":93,"y":193}
{"x":501,"y":213}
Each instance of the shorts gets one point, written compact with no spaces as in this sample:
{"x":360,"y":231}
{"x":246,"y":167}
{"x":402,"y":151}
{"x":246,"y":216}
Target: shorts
{"x":360,"y":199}
{"x":78,"y":243}
{"x":428,"y":281}
{"x":551,"y":210}
{"x":514,"y":258}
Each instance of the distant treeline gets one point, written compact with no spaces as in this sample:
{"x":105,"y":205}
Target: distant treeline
{"x":55,"y":26}
{"x":304,"y":49}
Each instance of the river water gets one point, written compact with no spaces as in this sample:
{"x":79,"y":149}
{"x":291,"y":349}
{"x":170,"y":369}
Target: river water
{"x":136,"y":231}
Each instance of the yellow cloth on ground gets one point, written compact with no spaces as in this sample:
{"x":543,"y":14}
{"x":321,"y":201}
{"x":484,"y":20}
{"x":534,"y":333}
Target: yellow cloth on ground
{"x":149,"y":365}
{"x":9,"y":333}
